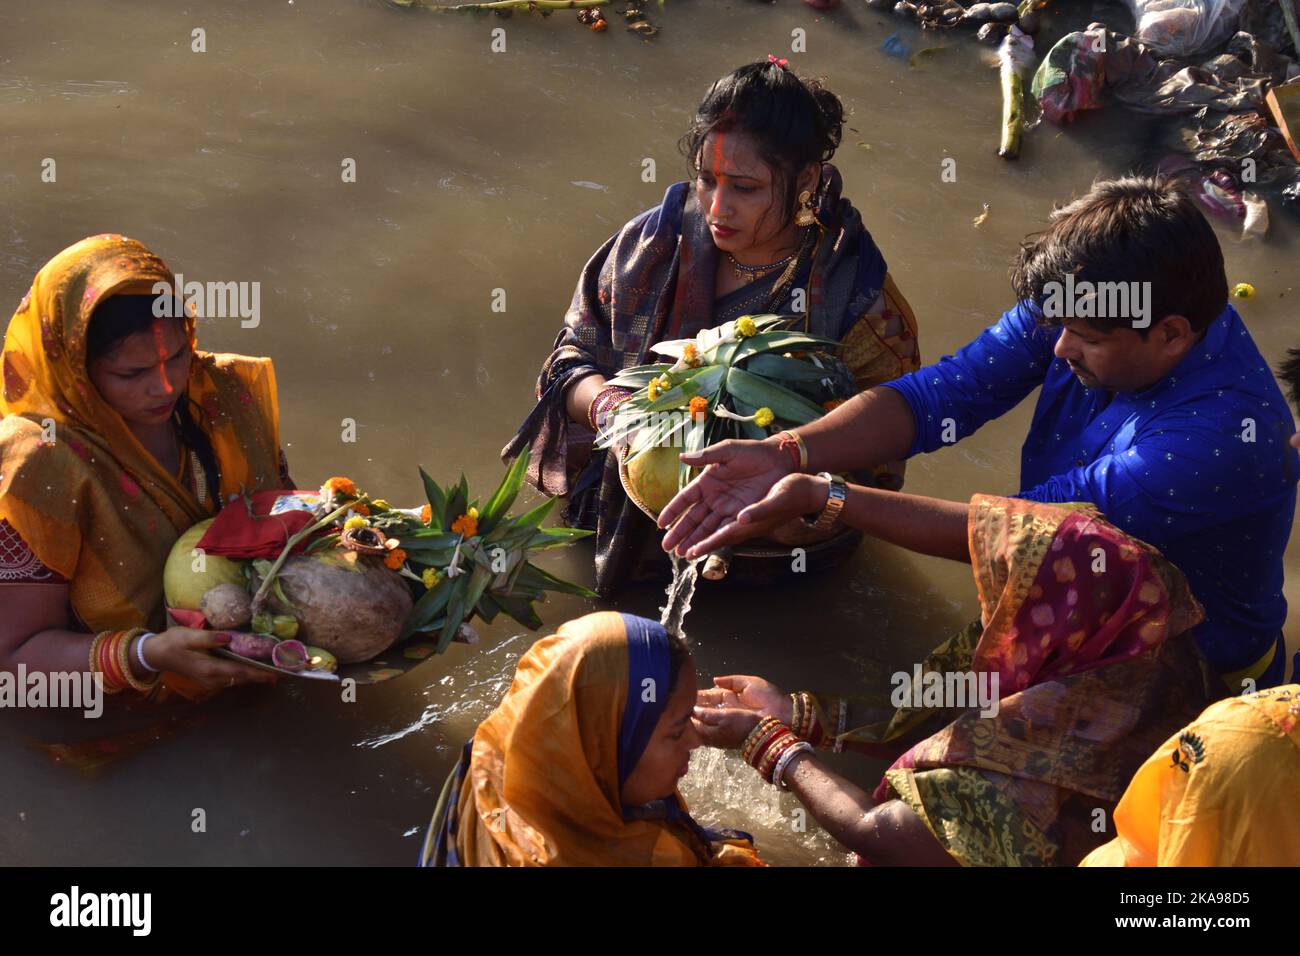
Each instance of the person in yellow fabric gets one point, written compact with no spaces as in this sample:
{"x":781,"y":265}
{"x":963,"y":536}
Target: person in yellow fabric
{"x":578,"y":765}
{"x":118,"y":434}
{"x":1221,"y":791}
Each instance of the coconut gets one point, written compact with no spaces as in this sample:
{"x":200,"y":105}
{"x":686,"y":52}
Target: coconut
{"x":187,"y":577}
{"x":347,"y":603}
{"x":650,"y":478}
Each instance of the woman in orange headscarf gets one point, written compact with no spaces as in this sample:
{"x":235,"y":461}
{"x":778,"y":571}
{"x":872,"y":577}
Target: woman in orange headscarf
{"x":118,"y":435}
{"x":579,"y":764}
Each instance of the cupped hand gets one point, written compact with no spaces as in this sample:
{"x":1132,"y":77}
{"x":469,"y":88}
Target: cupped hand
{"x":736,"y":474}
{"x":792,"y":496}
{"x":724,"y":727}
{"x":751,"y":693}
{"x":185,"y":650}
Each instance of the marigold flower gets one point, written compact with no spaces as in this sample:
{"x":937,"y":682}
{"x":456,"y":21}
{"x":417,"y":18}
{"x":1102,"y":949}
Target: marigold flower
{"x":473,"y":513}
{"x":361,"y":509}
{"x":764,"y":417}
{"x":341,"y":486}
{"x":1243,"y":290}
{"x":466,"y":525}
{"x":356,"y":521}
{"x":430,"y":577}
{"x":395,"y":559}
{"x":745,"y":327}
{"x":426,"y":514}
{"x":699,"y":407}
{"x":691,"y":355}
{"x":658,"y":386}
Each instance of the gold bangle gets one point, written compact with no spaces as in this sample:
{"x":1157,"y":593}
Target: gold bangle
{"x":94,"y":650}
{"x":124,"y":661}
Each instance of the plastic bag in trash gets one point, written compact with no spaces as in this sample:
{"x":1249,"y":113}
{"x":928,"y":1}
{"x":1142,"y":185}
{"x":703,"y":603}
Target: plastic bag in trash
{"x":1185,"y":27}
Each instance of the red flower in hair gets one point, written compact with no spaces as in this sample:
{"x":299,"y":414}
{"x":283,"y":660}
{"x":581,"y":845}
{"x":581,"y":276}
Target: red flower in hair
{"x":783,"y":63}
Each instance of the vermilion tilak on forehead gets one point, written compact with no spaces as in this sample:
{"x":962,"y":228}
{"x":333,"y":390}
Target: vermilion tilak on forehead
{"x":718,"y":176}
{"x":162,"y":356}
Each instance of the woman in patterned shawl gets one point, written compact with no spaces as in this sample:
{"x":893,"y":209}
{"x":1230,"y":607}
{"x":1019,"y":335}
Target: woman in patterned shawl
{"x":762,"y":229}
{"x":118,"y":434}
{"x":1080,"y":664}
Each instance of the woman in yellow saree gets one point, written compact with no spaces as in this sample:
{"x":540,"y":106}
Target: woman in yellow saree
{"x":578,"y":765}
{"x":118,"y":434}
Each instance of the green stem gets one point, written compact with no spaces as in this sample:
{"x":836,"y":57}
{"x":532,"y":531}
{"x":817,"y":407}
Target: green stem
{"x":260,"y":597}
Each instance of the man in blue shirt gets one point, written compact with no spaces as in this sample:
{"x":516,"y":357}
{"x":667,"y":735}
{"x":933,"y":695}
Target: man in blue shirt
{"x":1156,"y":406}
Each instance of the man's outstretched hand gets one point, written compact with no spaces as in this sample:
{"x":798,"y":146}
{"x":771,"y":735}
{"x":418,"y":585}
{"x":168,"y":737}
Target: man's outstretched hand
{"x":746,"y":489}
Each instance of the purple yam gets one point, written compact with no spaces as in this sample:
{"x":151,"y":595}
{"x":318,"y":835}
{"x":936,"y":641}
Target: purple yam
{"x":258,"y":647}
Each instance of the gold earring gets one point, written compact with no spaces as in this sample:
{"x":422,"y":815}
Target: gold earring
{"x":805,"y":216}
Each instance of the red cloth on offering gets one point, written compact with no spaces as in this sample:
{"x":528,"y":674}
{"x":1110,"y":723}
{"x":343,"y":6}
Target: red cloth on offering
{"x":235,"y":533}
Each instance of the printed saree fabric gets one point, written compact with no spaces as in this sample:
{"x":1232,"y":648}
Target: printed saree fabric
{"x":1219,"y":792}
{"x":76,"y":486}
{"x":655,"y":280}
{"x":1085,"y":629}
{"x":539,"y":783}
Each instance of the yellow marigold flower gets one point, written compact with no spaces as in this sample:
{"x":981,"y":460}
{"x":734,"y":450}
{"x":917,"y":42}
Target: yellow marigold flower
{"x":381,"y":504}
{"x":430,"y":577}
{"x":426,"y":514}
{"x":395,"y":559}
{"x":745,"y":327}
{"x":691,"y":355}
{"x":1243,"y":290}
{"x":658,"y":386}
{"x":356,"y":521}
{"x":764,"y":417}
{"x":473,"y":513}
{"x":466,"y":525}
{"x":699,"y":407}
{"x":341,"y":486}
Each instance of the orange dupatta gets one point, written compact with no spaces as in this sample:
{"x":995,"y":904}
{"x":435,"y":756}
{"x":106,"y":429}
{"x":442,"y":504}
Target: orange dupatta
{"x":542,"y":783}
{"x":88,"y":499}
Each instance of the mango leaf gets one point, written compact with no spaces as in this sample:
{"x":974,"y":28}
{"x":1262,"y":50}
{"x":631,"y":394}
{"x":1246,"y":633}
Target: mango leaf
{"x":638,"y":376}
{"x":746,"y":429}
{"x":531,"y":576}
{"x":420,"y":542}
{"x":780,"y":341}
{"x":488,"y":607}
{"x":700,"y":381}
{"x":536,"y":516}
{"x":546,"y":538}
{"x":457,"y":502}
{"x":784,"y":369}
{"x":464,"y":601}
{"x":505,"y":494}
{"x":437,"y":500}
{"x":760,"y":392}
{"x":519,"y":608}
{"x":428,"y":608}
{"x":696,"y":439}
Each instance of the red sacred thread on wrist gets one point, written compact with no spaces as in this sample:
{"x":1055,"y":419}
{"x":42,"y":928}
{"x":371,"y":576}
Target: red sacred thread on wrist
{"x":790,"y":442}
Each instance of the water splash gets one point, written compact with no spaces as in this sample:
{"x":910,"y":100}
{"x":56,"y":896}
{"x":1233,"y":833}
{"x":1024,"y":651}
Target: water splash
{"x":680,"y":594}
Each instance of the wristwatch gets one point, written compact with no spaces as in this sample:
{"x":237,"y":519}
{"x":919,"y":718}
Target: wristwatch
{"x":834,"y":503}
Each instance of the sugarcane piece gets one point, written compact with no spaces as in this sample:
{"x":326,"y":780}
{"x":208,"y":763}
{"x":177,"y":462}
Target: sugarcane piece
{"x":1014,"y":57}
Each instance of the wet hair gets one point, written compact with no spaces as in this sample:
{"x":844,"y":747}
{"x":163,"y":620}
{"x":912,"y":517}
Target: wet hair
{"x":1133,"y":229}
{"x":116,"y":319}
{"x":1289,"y":373}
{"x":678,"y":654}
{"x":793,"y":122}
